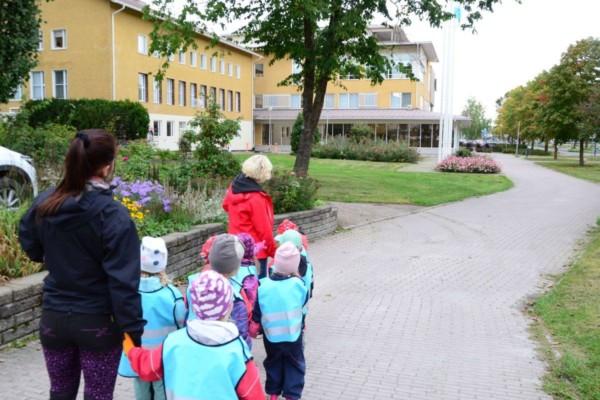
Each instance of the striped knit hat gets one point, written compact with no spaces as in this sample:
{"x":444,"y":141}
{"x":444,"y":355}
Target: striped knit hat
{"x":212,"y":296}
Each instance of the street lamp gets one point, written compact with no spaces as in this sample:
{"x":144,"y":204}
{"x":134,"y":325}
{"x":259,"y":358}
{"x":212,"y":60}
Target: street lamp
{"x":270,"y":129}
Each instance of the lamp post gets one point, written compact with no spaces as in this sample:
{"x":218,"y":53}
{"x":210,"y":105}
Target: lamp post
{"x":270,"y":129}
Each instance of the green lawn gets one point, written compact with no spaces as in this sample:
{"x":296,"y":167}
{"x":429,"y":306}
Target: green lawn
{"x":571,"y":313}
{"x":374,"y":182}
{"x":570,"y":166}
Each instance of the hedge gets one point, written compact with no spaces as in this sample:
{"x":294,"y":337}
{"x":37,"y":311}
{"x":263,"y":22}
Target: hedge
{"x":124,"y":118}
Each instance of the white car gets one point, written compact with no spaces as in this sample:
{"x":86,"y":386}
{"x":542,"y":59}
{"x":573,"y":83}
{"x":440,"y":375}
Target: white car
{"x":18,"y":179}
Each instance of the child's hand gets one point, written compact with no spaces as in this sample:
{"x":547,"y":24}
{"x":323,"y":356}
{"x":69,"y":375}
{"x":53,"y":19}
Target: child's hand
{"x":127,"y":343}
{"x":258,"y":247}
{"x":253,"y":329}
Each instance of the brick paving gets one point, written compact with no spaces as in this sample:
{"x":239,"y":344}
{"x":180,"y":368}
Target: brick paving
{"x":426,"y":305}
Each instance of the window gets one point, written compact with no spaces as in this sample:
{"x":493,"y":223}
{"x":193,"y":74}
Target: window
{"x":193,"y":58}
{"x":406,"y":100}
{"x":181,"y":57}
{"x":59,"y":39}
{"x":202,"y":96}
{"x":329,"y":101}
{"x":213,"y":64}
{"x":238,"y":102}
{"x":259,"y":69}
{"x":142,"y":44}
{"x":17,"y":94}
{"x":60,"y":84}
{"x":157,"y":92}
{"x":37,"y":85}
{"x":40,"y":41}
{"x":238,"y":72}
{"x":170,"y":92}
{"x":202,"y":61}
{"x":213,"y":94}
{"x":171,"y":57}
{"x":143,"y":87}
{"x":222,"y":67}
{"x":194,"y":95}
{"x":258,"y":101}
{"x":229,"y":100}
{"x":169,"y":128}
{"x":222,"y":99}
{"x":182,"y":127}
{"x":230,"y":69}
{"x":296,"y":101}
{"x":156,"y":128}
{"x":296,"y":68}
{"x":367,"y":100}
{"x":182,"y":96}
{"x":348,"y":100}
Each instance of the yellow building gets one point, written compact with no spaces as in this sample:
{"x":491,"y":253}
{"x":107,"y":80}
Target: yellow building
{"x":398,"y":109}
{"x":99,"y":49}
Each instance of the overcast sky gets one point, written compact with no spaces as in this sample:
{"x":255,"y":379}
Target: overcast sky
{"x":511,"y":46}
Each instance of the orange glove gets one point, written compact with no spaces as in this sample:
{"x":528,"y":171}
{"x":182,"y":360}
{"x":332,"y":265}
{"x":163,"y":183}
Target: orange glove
{"x":127,"y":343}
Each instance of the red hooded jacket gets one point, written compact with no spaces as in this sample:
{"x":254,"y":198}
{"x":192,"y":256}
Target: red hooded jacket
{"x":250,"y":210}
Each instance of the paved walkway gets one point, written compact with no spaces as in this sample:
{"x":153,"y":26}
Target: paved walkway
{"x":424,"y":306}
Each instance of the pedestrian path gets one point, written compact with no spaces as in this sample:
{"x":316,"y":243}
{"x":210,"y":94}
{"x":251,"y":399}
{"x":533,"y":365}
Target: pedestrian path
{"x":424,"y":306}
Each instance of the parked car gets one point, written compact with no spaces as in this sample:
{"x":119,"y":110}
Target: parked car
{"x":18,"y":179}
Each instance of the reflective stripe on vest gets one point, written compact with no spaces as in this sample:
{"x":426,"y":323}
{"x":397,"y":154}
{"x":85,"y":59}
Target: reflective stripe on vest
{"x":281,"y":305}
{"x":193,"y":371}
{"x":158,"y":310}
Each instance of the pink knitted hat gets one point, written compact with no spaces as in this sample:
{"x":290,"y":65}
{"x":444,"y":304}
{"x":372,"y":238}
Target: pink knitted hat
{"x":212,"y":296}
{"x":287,"y":259}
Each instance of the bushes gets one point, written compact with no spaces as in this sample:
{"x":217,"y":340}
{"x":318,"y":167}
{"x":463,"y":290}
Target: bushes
{"x":477,"y":164}
{"x":125,"y":119}
{"x":14,"y":262}
{"x":359,"y":133}
{"x":462,"y":152}
{"x":297,"y":132}
{"x":46,"y":144}
{"x":291,"y":193}
{"x":366,"y":150}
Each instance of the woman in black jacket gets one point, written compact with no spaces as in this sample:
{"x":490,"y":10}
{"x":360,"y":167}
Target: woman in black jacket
{"x":89,"y":245}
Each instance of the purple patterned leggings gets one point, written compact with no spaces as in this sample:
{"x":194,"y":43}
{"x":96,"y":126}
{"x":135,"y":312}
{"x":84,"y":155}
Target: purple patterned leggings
{"x":99,"y":372}
{"x":75,"y":343}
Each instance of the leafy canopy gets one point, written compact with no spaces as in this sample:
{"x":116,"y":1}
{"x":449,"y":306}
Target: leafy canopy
{"x":19,"y":29}
{"x":475,"y":111}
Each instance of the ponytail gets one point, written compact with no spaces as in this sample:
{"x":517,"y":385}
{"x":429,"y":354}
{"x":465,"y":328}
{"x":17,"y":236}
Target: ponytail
{"x":89,"y":152}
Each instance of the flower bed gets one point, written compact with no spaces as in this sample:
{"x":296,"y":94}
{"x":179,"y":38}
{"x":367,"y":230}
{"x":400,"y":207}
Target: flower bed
{"x":365,"y":150}
{"x":476,"y":164}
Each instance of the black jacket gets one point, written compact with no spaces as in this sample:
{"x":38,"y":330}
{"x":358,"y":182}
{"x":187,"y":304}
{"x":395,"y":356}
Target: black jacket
{"x":91,"y":250}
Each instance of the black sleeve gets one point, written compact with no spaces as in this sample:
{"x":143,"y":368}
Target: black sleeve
{"x":256,"y":313}
{"x":121,"y":262}
{"x":29,"y":235}
{"x":303,"y":266}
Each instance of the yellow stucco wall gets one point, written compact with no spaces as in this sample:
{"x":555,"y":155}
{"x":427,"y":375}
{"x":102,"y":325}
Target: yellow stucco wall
{"x":130,"y":63}
{"x":87,"y":57}
{"x":273,"y":74}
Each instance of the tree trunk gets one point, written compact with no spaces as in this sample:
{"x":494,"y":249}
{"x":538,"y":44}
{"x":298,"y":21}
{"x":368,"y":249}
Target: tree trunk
{"x":555,"y":150}
{"x":546,"y":142}
{"x":581,"y":151}
{"x":532,"y":144}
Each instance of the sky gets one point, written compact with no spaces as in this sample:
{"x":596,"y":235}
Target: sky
{"x":511,"y":46}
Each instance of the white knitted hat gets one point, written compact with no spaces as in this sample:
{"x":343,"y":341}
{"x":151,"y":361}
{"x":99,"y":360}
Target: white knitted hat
{"x":153,"y":254}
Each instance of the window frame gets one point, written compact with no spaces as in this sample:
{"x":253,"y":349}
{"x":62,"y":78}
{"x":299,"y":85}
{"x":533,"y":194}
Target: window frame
{"x":181,"y":57}
{"x":222,"y":99}
{"x":193,"y":59}
{"x":262,"y":72}
{"x":230,"y":100}
{"x":193,"y":94}
{"x":142,"y":90}
{"x":230,"y":69}
{"x":52,"y":39}
{"x":203,"y":63}
{"x":329,"y":96}
{"x":156,"y":87}
{"x":33,"y":86}
{"x":238,"y":71}
{"x":238,"y":102}
{"x":156,"y":132}
{"x":145,"y":43}
{"x":40,"y":40}
{"x":180,"y":93}
{"x":169,"y":124}
{"x":18,"y":92}
{"x":203,"y":96}
{"x":214,"y":64}
{"x":171,"y":93}
{"x":65,"y":83}
{"x":222,"y":66}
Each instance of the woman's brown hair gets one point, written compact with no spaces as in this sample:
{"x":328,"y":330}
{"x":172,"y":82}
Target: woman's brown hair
{"x":89,"y":152}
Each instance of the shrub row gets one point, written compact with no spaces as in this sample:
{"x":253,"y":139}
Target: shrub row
{"x":125,"y":119}
{"x":365,"y":150}
{"x":291,"y":193}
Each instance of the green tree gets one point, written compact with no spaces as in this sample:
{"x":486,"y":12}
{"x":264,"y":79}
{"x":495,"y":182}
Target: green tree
{"x":326,"y":38}
{"x":475,"y":111}
{"x":297,"y":130}
{"x":19,"y":29}
{"x":214,"y":131}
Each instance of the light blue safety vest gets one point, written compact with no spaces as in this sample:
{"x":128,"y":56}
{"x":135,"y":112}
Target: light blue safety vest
{"x":159,"y":311}
{"x":193,"y":371}
{"x":309,"y":276}
{"x":191,"y":314}
{"x":281,"y":304}
{"x":245,"y":271}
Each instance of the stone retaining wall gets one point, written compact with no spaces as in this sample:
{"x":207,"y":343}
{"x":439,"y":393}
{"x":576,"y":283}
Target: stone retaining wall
{"x":20,"y":299}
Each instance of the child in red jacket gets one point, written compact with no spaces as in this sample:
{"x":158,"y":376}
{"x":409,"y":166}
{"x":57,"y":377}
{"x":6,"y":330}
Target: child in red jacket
{"x":207,"y":360}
